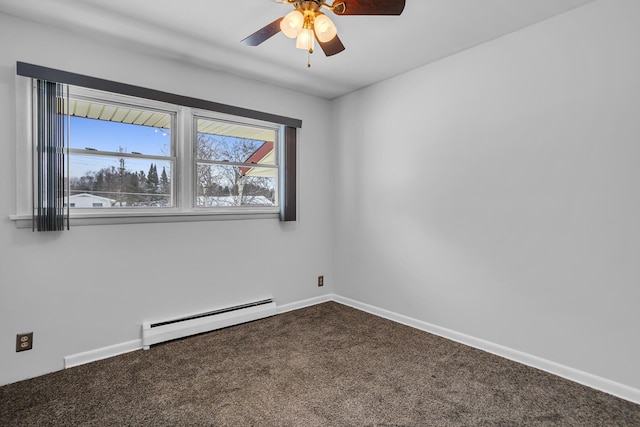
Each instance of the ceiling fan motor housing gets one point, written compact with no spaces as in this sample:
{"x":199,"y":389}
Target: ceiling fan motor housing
{"x":316,"y":5}
{"x":308,"y":5}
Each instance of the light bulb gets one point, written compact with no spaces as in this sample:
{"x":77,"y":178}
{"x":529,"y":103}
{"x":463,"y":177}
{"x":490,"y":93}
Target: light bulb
{"x":292,"y":23}
{"x":306,"y":40}
{"x":325,"y":30}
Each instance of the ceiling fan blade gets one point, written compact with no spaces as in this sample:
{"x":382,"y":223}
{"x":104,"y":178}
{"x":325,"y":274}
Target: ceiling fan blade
{"x":263,"y":33}
{"x":331,"y":47}
{"x":368,"y":7}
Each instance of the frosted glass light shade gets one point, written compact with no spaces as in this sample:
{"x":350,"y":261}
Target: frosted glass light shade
{"x":292,"y":23}
{"x":325,"y":30}
{"x":306,"y":40}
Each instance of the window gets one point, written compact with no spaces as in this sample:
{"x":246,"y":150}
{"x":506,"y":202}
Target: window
{"x":140,"y":153}
{"x":121,"y":155}
{"x":236,"y":165}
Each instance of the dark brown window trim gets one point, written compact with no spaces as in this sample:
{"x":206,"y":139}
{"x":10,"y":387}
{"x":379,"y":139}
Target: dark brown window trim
{"x":53,"y":75}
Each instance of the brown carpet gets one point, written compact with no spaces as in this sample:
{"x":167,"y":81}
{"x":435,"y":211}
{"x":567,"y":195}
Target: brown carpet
{"x":326,"y":365}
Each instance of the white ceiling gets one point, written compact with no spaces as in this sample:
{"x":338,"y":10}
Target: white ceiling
{"x":208,"y":33}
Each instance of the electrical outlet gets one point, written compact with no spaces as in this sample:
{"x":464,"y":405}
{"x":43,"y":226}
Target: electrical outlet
{"x":24,"y":341}
{"x":320,"y":281}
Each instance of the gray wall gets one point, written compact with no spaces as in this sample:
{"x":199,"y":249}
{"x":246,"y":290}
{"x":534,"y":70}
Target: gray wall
{"x":496,"y":192}
{"x":93,"y":286}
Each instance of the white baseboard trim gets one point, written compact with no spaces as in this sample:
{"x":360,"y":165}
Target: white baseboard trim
{"x":101,"y":353}
{"x":305,"y":303}
{"x":611,"y":387}
{"x":593,"y":381}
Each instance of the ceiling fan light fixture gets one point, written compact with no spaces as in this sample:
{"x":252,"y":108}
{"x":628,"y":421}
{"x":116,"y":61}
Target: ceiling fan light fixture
{"x":292,"y":23}
{"x":306,"y":40}
{"x":324,"y":27}
{"x":307,"y":23}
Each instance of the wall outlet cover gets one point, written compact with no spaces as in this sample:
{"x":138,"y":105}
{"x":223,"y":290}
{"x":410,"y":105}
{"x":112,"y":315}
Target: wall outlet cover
{"x":24,"y":341}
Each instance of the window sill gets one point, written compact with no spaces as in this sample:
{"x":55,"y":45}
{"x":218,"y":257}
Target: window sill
{"x":82,"y":219}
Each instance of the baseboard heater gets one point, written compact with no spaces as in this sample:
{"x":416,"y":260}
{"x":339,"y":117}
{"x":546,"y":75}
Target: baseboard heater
{"x":154,"y":333}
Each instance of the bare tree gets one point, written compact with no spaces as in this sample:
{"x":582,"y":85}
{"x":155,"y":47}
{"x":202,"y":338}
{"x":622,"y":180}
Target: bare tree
{"x":231,"y":180}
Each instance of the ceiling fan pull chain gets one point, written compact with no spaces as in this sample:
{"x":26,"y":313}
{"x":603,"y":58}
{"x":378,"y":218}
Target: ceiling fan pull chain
{"x":308,"y":59}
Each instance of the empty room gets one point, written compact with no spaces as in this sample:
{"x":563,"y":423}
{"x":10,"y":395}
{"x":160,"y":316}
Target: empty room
{"x":317,"y":213}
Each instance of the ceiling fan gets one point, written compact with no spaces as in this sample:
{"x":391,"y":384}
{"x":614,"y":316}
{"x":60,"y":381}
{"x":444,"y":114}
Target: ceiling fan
{"x":308,"y":23}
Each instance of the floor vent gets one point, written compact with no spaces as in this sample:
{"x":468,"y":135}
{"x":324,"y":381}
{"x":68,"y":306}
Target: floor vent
{"x":166,"y":330}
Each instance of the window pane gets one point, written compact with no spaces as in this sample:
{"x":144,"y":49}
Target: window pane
{"x":105,"y":127}
{"x":231,"y":142}
{"x":225,"y":185}
{"x":119,"y":182}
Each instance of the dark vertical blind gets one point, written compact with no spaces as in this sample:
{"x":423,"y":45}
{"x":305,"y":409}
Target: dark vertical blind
{"x":49,"y":158}
{"x":289,"y":203}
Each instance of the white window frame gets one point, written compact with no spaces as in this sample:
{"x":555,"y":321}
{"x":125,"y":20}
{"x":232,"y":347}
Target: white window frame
{"x":149,"y":105}
{"x":183,"y":180}
{"x":277,"y":129}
